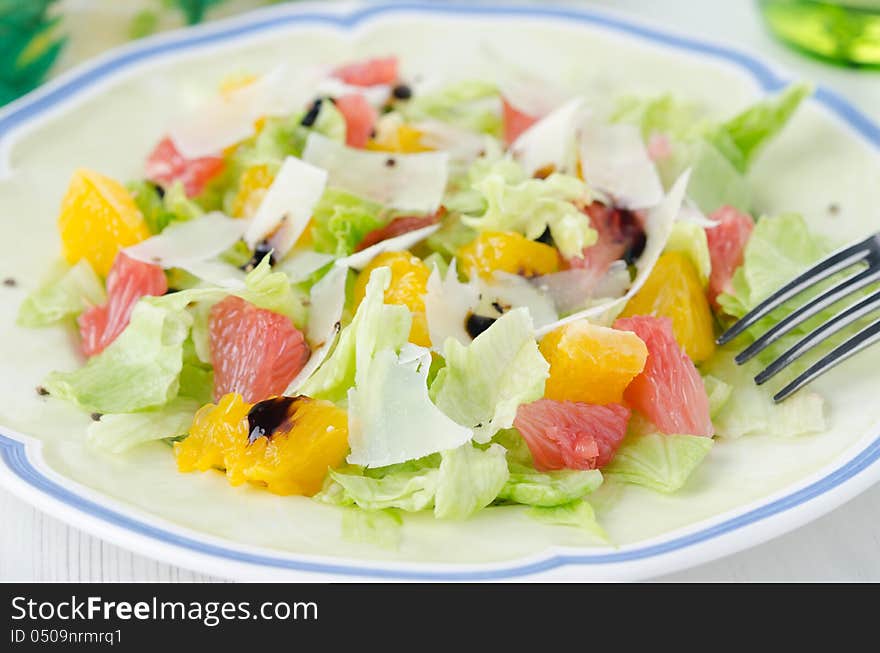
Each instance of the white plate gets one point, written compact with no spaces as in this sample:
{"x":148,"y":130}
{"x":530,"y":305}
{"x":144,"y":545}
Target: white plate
{"x":107,"y":115}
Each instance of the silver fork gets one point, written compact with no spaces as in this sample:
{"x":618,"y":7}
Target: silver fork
{"x":865,"y":255}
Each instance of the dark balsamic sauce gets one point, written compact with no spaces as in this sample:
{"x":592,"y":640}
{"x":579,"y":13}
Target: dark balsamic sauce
{"x":270,"y":416}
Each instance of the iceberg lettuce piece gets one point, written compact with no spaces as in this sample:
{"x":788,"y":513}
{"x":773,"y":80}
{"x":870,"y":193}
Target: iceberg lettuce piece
{"x":483,"y":383}
{"x":689,"y":238}
{"x":741,"y":137}
{"x":718,"y":391}
{"x":577,"y":514}
{"x":469,"y":104}
{"x":119,"y":432}
{"x":751,"y":410}
{"x":469,"y":480}
{"x":69,"y":292}
{"x":381,"y":528}
{"x":141,"y":368}
{"x":341,"y":220}
{"x":375,"y":326}
{"x":410,"y":488}
{"x":531,"y":206}
{"x":657,"y":461}
{"x":548,"y":489}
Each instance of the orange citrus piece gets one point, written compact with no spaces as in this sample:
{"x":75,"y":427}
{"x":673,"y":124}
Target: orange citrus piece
{"x":98,"y":218}
{"x":405,"y":140}
{"x":503,"y":251}
{"x":409,"y":283}
{"x":673,"y":290}
{"x":590,"y":363}
{"x":252,"y":187}
{"x":291,"y":458}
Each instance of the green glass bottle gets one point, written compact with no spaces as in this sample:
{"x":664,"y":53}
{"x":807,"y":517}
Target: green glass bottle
{"x":846,"y":32}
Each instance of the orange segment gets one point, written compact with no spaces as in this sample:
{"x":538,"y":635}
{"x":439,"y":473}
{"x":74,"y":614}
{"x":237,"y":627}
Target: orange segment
{"x":504,"y":251}
{"x":98,"y":218}
{"x":252,"y":187}
{"x":409,"y":283}
{"x":405,"y":140}
{"x":290,"y":459}
{"x":591,"y":364}
{"x":673,"y":290}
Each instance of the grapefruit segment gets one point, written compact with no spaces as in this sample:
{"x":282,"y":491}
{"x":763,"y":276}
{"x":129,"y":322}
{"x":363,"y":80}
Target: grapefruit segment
{"x":515,"y":121}
{"x":669,"y":391}
{"x":128,"y":281}
{"x":727,"y":244}
{"x":166,"y":165}
{"x":571,"y":435}
{"x":256,"y":352}
{"x":359,"y":116}
{"x":370,"y":72}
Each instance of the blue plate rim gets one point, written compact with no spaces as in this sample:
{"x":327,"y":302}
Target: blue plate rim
{"x":13,"y":452}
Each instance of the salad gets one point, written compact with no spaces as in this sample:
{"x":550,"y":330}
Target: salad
{"x":395,"y":294}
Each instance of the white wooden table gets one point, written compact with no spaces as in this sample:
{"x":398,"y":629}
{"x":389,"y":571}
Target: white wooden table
{"x":844,"y":545}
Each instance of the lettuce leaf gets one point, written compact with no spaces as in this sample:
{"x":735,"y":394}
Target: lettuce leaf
{"x":341,"y":220}
{"x":141,"y":368}
{"x":147,"y":198}
{"x":483,"y":383}
{"x":69,"y":292}
{"x":532,"y":206}
{"x":741,"y":137}
{"x":375,"y":326}
{"x":548,"y":489}
{"x":657,"y":461}
{"x":469,"y":104}
{"x":381,"y":528}
{"x":469,"y":480}
{"x":410,"y":488}
{"x":120,"y":432}
{"x":689,"y":238}
{"x":750,"y":408}
{"x":718,"y":391}
{"x":577,"y":514}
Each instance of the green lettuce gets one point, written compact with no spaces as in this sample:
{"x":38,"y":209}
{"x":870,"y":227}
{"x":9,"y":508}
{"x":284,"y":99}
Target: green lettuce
{"x":341,"y":220}
{"x":719,"y":393}
{"x":532,"y":206}
{"x":751,"y":410}
{"x":468,"y":104}
{"x":375,"y":326}
{"x":548,"y":489}
{"x":577,"y":514}
{"x":718,"y":153}
{"x":741,"y":137}
{"x":69,"y":292}
{"x":410,"y":487}
{"x":483,"y":383}
{"x":689,"y":238}
{"x":657,"y":461}
{"x":141,"y":368}
{"x":120,"y":432}
{"x":469,"y":480}
{"x":381,"y":528}
{"x":180,"y":207}
{"x":147,"y":198}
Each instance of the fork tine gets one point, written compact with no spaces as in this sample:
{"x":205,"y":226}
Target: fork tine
{"x":868,"y":336}
{"x":843,"y":319}
{"x":808,"y":310}
{"x":833,"y":264}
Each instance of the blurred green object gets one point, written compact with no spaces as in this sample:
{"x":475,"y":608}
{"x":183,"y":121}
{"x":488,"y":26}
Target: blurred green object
{"x":845,"y":32}
{"x":29,"y":45}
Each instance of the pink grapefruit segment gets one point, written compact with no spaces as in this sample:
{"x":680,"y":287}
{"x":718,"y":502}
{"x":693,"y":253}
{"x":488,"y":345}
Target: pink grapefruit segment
{"x":571,"y":435}
{"x":369,"y":72}
{"x":515,"y":121}
{"x":255,"y":352}
{"x":727,"y":244}
{"x":360,"y":117}
{"x":128,"y":281}
{"x":669,"y":391}
{"x":165,"y":165}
